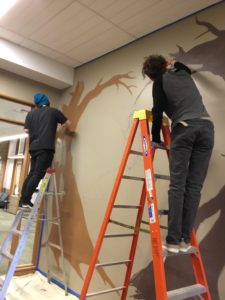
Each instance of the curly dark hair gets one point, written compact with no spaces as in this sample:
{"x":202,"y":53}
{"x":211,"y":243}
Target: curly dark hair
{"x":154,"y":66}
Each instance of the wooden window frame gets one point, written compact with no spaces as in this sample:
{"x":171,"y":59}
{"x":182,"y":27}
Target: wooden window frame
{"x":31,"y":267}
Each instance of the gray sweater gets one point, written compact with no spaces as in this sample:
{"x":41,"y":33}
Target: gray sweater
{"x":176,"y":94}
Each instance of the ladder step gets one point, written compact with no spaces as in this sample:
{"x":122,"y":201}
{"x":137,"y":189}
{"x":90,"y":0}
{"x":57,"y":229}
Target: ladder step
{"x":106,"y":291}
{"x":186,"y":292}
{"x":133,"y":178}
{"x":160,"y":176}
{"x":163,"y":212}
{"x":136,"y":152}
{"x":126,"y":206}
{"x":113,"y":263}
{"x":53,"y":222}
{"x":54,"y":245}
{"x":118,"y":235}
{"x":7,"y":255}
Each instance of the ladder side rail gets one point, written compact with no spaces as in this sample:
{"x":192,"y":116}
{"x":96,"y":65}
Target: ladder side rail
{"x":198,"y":267}
{"x":60,"y":233}
{"x":112,"y":198}
{"x":9,"y":236}
{"x":17,"y":253}
{"x":46,"y":231}
{"x":156,"y":242}
{"x":23,"y":238}
{"x":134,"y":242}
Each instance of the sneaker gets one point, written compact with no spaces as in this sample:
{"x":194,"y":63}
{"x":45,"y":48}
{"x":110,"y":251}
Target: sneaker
{"x":26,"y":205}
{"x":184,"y":247}
{"x":171,"y":247}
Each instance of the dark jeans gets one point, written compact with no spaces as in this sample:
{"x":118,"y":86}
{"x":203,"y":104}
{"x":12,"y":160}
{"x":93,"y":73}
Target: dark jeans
{"x":191,"y":149}
{"x":40,"y":161}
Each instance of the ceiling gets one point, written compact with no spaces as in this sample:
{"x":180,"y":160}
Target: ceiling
{"x":74,"y":32}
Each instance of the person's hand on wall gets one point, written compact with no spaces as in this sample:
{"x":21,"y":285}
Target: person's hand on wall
{"x":64,"y":131}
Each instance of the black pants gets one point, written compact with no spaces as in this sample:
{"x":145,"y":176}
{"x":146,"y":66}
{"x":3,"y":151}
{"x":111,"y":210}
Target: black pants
{"x":191,"y":149}
{"x":40,"y":161}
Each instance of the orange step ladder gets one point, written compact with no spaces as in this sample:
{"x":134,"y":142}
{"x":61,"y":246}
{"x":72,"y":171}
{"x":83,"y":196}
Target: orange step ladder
{"x":200,"y":288}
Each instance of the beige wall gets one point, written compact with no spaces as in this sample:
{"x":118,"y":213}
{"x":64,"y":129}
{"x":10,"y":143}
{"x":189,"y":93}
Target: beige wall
{"x":23,"y":88}
{"x":106,"y":92}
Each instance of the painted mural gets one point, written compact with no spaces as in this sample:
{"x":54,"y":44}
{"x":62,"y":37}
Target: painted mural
{"x":210,"y":55}
{"x":71,"y":206}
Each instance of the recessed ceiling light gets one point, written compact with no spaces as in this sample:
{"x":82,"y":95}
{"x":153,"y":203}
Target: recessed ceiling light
{"x":5,"y":5}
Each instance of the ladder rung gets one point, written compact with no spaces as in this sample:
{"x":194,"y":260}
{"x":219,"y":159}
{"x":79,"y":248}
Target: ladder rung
{"x":163,"y":212}
{"x":136,"y":152}
{"x":54,"y":245}
{"x":53,"y":222}
{"x":126,"y":206}
{"x":160,"y":176}
{"x":106,"y":291}
{"x":17,"y":232}
{"x":133,"y":178}
{"x":50,"y":220}
{"x":186,"y":292}
{"x":118,"y":235}
{"x":54,"y":193}
{"x":162,"y":147}
{"x":9,"y":256}
{"x":113,"y":263}
{"x":163,"y":227}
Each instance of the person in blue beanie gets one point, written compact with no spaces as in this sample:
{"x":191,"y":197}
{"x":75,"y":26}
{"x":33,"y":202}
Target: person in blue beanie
{"x":41,"y":125}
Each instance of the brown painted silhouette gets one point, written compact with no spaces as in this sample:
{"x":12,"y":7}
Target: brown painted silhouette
{"x":76,"y":239}
{"x":210,"y":54}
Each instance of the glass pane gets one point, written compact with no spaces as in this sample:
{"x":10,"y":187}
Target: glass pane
{"x":9,"y":129}
{"x":13,"y":111}
{"x":11,"y":164}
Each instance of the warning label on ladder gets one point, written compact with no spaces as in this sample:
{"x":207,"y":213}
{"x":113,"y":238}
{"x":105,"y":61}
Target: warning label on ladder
{"x":148,"y":179}
{"x":145,"y":146}
{"x":151,"y":211}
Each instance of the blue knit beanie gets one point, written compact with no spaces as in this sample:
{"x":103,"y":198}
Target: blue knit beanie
{"x":41,"y":99}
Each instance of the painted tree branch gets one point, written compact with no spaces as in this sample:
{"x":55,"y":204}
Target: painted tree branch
{"x":78,"y":105}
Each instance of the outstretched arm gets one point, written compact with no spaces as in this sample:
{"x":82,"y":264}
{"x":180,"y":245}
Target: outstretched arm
{"x":159,"y":100}
{"x":177,"y":65}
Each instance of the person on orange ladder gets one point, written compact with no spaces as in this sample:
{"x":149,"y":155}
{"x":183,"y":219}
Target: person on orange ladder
{"x":40,"y":124}
{"x":192,"y":140}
